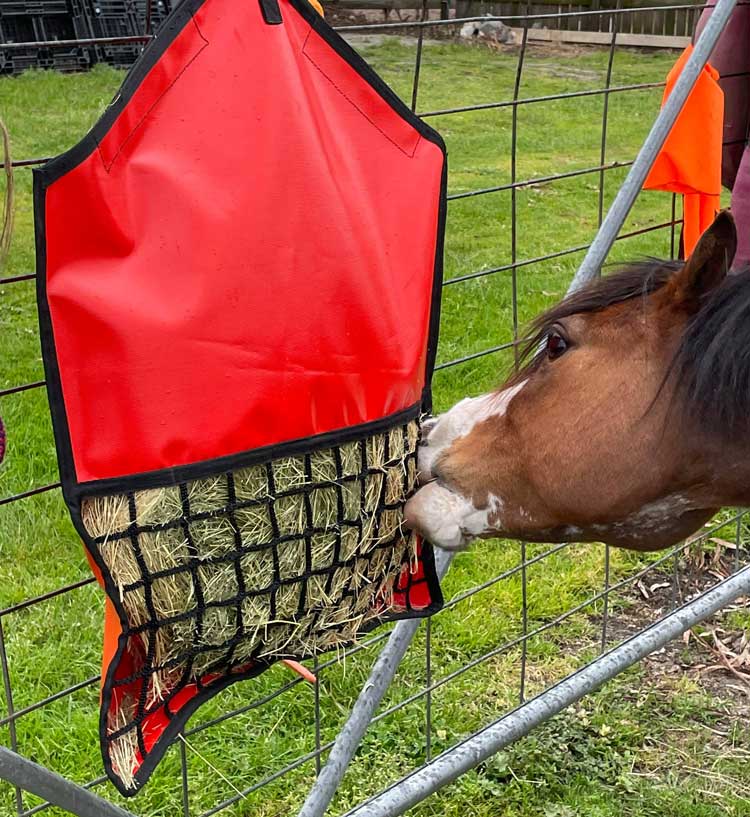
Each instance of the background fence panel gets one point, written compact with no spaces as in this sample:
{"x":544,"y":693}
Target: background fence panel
{"x":540,"y":138}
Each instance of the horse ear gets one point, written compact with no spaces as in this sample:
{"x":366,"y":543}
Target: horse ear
{"x":709,"y":263}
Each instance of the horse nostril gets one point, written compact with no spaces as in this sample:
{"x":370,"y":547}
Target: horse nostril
{"x":410,"y":516}
{"x":437,"y":473}
{"x":427,"y":427}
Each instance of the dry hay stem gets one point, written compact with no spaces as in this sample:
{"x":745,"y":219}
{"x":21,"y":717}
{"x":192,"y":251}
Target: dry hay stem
{"x":123,"y":749}
{"x":729,"y":660}
{"x":267,"y":620}
{"x":6,"y":226}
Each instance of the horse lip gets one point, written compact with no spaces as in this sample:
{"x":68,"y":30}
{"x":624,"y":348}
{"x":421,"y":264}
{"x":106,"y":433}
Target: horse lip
{"x":409,"y":519}
{"x":412,"y":512}
{"x":439,"y":525}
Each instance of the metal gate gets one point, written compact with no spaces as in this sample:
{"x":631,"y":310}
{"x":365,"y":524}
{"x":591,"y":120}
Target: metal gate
{"x":274,"y":745}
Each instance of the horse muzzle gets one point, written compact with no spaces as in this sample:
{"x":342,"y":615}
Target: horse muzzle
{"x":445,"y":518}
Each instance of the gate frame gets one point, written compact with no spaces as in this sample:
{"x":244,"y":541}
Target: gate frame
{"x":431,"y":777}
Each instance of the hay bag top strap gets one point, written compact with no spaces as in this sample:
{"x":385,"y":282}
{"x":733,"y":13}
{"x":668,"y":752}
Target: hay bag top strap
{"x":244,"y":251}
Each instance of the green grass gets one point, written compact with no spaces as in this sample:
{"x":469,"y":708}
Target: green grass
{"x":603,"y":758}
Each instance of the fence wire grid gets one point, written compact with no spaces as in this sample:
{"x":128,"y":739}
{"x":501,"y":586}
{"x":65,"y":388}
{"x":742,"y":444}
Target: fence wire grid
{"x":563,"y":125}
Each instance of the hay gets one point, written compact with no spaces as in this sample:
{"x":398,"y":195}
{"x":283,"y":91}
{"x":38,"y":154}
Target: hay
{"x":123,"y":749}
{"x":303,"y":560}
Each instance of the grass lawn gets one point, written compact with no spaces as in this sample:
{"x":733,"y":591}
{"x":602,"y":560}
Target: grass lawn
{"x":645,"y":745}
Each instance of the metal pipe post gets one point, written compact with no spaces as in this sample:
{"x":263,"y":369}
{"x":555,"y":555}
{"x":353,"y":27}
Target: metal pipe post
{"x":58,"y":790}
{"x":351,"y":734}
{"x":465,"y":756}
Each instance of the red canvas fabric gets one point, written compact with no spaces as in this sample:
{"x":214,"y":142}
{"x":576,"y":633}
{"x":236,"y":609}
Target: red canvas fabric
{"x":690,"y":160}
{"x":255,"y":230}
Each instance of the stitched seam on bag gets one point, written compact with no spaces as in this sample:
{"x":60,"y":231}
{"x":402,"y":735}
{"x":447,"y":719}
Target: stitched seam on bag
{"x":354,"y":104}
{"x":108,"y":166}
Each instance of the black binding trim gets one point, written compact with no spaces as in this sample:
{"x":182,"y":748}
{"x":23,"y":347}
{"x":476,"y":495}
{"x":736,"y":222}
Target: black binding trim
{"x":166,"y":477}
{"x":271,"y":12}
{"x":73,"y":490}
{"x":437,"y":291}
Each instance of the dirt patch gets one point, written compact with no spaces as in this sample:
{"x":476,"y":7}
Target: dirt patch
{"x":364,"y":17}
{"x":714,"y":654}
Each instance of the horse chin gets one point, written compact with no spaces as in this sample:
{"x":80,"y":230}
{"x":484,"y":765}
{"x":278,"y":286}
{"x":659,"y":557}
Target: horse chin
{"x":645,"y":531}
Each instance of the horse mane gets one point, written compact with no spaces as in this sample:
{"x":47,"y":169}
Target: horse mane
{"x":711,"y":367}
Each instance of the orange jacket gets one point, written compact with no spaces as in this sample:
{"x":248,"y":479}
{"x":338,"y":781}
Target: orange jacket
{"x":690,"y":161}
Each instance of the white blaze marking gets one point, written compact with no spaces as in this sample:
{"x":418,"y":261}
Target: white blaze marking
{"x":459,"y":422}
{"x":447,"y":519}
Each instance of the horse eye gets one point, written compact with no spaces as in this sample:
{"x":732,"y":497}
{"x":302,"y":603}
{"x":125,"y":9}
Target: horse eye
{"x":556,"y":345}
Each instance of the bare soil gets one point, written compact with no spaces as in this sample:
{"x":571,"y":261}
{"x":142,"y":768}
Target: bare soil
{"x":714,"y":654}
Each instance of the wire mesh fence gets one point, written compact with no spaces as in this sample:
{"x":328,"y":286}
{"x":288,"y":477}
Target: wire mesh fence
{"x":540,"y":138}
{"x":676,"y":22}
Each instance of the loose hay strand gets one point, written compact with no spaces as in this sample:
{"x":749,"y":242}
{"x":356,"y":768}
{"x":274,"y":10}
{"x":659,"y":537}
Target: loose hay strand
{"x":6,"y":226}
{"x":124,"y":748}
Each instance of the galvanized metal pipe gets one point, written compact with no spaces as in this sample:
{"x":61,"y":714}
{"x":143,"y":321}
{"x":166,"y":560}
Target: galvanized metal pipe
{"x":134,"y":39}
{"x":631,"y":187}
{"x":58,"y":790}
{"x":467,"y":755}
{"x":351,"y":734}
